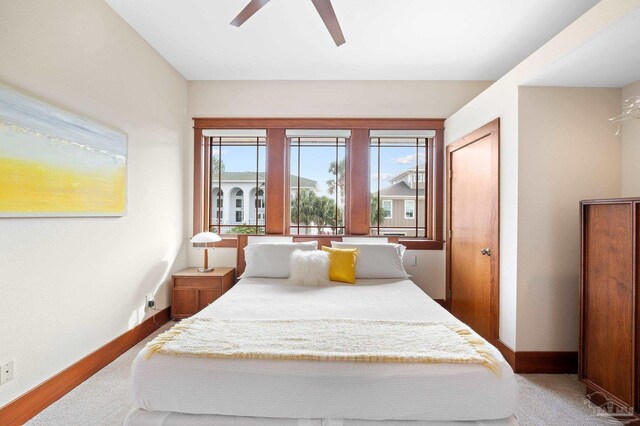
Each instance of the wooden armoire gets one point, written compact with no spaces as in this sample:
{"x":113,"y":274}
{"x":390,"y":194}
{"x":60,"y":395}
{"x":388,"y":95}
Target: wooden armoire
{"x":609,"y":322}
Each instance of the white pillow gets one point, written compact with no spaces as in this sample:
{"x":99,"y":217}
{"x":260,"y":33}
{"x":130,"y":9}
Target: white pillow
{"x":377,"y":260}
{"x":309,"y":268}
{"x":271,"y":260}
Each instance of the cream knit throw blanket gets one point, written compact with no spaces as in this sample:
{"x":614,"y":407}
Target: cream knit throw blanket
{"x":326,"y":340}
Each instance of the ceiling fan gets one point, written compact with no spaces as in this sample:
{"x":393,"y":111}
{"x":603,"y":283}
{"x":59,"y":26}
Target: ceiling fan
{"x":324,"y":8}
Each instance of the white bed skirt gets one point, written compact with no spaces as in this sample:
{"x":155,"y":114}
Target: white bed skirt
{"x":139,"y":417}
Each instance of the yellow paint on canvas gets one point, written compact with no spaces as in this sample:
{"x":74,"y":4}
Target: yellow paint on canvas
{"x":32,"y":187}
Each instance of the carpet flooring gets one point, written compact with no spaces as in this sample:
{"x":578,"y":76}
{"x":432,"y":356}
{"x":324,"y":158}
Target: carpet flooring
{"x":104,"y":399}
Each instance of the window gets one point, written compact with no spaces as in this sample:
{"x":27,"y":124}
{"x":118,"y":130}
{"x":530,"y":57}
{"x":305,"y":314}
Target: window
{"x":399,"y":171}
{"x":258,"y":197}
{"x":260,"y":200}
{"x":387,"y":209}
{"x":409,"y":207}
{"x":217,"y":195}
{"x":238,"y":196}
{"x":317,"y":181}
{"x":323,"y":181}
{"x":236,"y":160}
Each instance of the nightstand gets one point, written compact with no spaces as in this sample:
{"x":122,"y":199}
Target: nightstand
{"x":193,"y":291}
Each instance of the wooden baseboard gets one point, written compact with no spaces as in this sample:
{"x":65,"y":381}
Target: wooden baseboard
{"x":534,"y":362}
{"x":508,"y":353}
{"x":441,"y":302}
{"x":23,"y":408}
{"x":546,"y":362}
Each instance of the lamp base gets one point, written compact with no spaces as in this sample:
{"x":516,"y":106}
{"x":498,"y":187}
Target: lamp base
{"x":205,"y":269}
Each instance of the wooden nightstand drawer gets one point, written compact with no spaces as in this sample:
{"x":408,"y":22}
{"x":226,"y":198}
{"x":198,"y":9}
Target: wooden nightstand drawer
{"x":193,"y":291}
{"x":210,"y":282}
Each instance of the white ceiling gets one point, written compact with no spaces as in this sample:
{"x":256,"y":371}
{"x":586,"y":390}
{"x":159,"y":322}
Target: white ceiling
{"x":611,"y":58}
{"x":386,"y":39}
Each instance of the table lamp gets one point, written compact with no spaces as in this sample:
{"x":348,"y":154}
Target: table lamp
{"x":205,"y":238}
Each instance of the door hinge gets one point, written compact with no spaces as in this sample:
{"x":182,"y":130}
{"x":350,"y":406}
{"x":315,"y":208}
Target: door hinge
{"x":450,"y":173}
{"x":450,"y":233}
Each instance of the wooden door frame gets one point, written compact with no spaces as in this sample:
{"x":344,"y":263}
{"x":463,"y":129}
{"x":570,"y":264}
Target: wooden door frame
{"x":491,"y":130}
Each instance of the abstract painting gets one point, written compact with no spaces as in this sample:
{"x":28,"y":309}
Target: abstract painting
{"x":55,"y":163}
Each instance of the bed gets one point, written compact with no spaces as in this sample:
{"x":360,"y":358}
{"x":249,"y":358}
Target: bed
{"x":178,"y":390}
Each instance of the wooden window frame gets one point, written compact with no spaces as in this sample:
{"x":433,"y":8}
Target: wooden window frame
{"x":357,"y":192}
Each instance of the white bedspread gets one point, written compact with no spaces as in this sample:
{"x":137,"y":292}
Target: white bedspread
{"x":319,"y":389}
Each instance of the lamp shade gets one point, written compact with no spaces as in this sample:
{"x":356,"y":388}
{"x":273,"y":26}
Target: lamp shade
{"x":205,"y":237}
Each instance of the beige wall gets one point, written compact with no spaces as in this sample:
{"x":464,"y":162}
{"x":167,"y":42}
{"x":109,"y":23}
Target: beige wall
{"x":70,"y":285}
{"x":567,"y":152}
{"x":501,"y":101}
{"x":420,"y":99}
{"x":630,"y":148}
{"x":431,"y":99}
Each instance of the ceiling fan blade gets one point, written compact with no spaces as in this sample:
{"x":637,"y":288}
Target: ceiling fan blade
{"x":325,"y":9}
{"x":248,"y":11}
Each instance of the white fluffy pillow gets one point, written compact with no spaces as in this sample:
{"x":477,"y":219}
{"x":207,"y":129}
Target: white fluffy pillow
{"x":271,"y":260}
{"x":309,"y":268}
{"x":377,"y":260}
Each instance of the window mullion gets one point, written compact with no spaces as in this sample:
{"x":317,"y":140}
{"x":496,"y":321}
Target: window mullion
{"x":257,"y":181}
{"x":336,"y":189}
{"x":220,"y":194}
{"x":379,"y":200}
{"x":429,"y":189}
{"x":299,"y":194}
{"x":210,"y":186}
{"x":417,"y":183}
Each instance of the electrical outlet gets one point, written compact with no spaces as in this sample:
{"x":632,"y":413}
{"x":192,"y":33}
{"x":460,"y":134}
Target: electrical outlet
{"x":414,"y":260}
{"x":149,"y":301}
{"x":6,"y":372}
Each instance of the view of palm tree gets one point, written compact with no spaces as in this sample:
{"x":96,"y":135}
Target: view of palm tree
{"x":339,"y":171}
{"x":314,"y":210}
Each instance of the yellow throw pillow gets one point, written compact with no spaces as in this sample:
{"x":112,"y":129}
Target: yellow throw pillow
{"x":342,"y":264}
